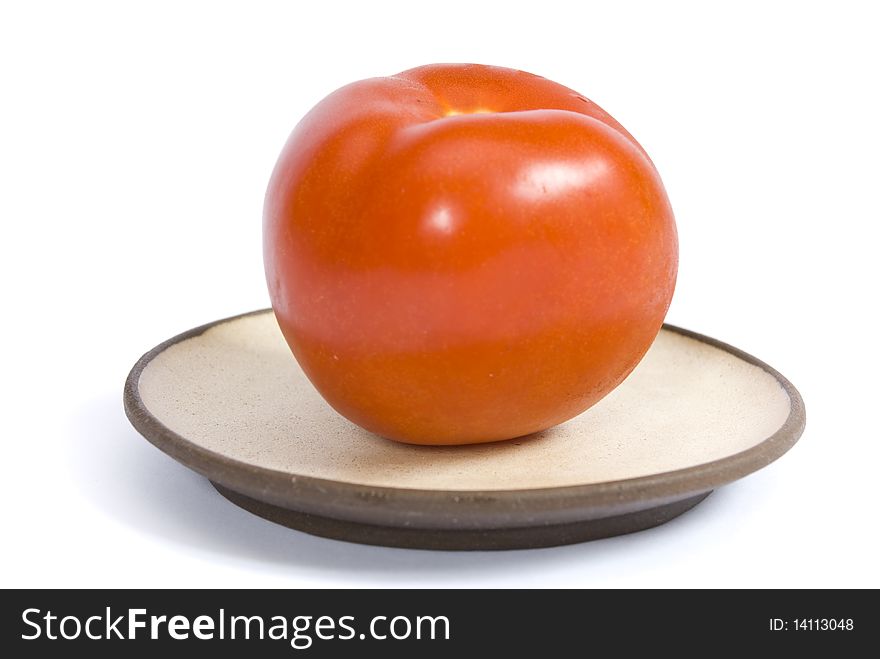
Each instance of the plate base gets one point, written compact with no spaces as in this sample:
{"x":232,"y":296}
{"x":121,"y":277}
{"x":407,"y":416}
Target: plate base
{"x":464,"y":539}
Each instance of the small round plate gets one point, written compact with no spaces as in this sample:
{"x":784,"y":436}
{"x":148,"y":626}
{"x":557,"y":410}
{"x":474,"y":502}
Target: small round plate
{"x":229,"y":401}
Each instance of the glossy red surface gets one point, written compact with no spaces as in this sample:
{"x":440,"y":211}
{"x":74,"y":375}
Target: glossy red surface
{"x":463,"y":253}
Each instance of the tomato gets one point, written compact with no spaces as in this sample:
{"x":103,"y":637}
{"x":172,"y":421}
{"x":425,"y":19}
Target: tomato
{"x":465,"y":253}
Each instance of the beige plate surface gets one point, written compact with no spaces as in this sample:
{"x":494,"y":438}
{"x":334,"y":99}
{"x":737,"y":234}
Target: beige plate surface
{"x":229,"y":401}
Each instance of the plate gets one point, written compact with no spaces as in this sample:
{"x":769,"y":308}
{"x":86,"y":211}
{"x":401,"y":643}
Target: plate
{"x":229,"y":401}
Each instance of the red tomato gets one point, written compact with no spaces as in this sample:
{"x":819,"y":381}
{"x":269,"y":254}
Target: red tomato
{"x":464,"y":253}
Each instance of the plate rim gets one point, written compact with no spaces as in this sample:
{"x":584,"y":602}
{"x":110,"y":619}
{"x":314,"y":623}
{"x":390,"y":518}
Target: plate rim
{"x":423,"y":507}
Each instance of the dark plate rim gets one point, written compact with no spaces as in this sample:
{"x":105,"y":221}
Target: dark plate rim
{"x":429,"y":508}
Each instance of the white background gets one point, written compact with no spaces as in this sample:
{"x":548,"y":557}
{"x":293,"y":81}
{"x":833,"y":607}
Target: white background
{"x":136,"y":141}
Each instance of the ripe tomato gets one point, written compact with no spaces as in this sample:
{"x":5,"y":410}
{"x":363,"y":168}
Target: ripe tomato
{"x":464,"y":253}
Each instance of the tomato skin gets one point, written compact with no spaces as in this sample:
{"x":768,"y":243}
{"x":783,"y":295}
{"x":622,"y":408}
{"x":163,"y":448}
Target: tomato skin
{"x":462,"y":253}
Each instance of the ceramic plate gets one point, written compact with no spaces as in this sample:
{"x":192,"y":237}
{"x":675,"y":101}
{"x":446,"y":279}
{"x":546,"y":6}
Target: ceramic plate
{"x":229,"y":401}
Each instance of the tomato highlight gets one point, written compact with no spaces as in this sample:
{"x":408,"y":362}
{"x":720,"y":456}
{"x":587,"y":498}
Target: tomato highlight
{"x":464,"y":253}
